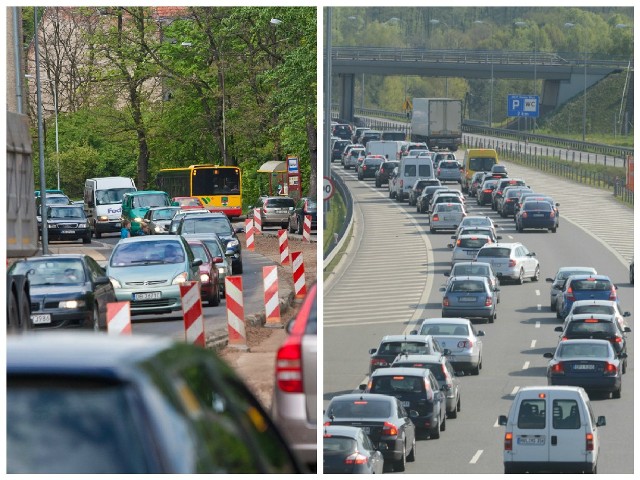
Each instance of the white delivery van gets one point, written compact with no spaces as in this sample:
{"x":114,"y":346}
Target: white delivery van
{"x":551,"y":429}
{"x":390,"y":149}
{"x":103,"y":202}
{"x":410,"y":169}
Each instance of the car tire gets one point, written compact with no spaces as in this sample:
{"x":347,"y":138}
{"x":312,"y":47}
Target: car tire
{"x":520,"y":279}
{"x":492,"y":318}
{"x":214,"y":301}
{"x":536,"y":274}
{"x":458,"y":406}
{"x":97,"y":234}
{"x":454,"y":412}
{"x":443,"y":424}
{"x":378,"y":184}
{"x":412,"y":454}
{"x":624,"y":366}
{"x":290,"y":227}
{"x":238,"y":268}
{"x":553,"y":230}
{"x":434,"y":433}
{"x":87,"y":239}
{"x":400,"y":465}
{"x":617,"y":393}
{"x":476,"y":370}
{"x":95,"y":319}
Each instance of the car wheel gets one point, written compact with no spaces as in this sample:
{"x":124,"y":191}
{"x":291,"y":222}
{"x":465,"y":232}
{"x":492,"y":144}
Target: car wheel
{"x":553,"y":230}
{"x":521,"y":277}
{"x":454,"y":412}
{"x":624,"y":366}
{"x":87,"y":239}
{"x":400,"y":465}
{"x":432,"y":230}
{"x":215,"y":298}
{"x":290,"y":227}
{"x":412,"y":453}
{"x":458,"y":406}
{"x":617,"y":393}
{"x":378,"y":184}
{"x":435,"y":432}
{"x":443,"y":424}
{"x":237,"y":269}
{"x":536,"y":274}
{"x":96,"y":319}
{"x":492,"y":318}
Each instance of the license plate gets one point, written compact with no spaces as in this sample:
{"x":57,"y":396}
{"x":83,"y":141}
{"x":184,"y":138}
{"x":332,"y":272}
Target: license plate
{"x":406,"y":404}
{"x":584,"y":367}
{"x":147,"y":296}
{"x":40,"y":319}
{"x":537,"y":440}
{"x":117,"y":225}
{"x":467,"y":299}
{"x":537,"y":215}
{"x":69,"y":231}
{"x":281,"y":211}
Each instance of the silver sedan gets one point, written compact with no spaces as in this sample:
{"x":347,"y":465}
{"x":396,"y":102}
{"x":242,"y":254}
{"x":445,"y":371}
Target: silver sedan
{"x":446,"y":216}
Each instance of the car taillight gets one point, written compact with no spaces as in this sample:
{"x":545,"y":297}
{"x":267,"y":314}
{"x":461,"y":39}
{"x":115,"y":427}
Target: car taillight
{"x":488,"y":302}
{"x":264,"y":209}
{"x":436,"y":218}
{"x":570,"y":296}
{"x":289,"y":366}
{"x":616,"y":339}
{"x":508,"y":441}
{"x":612,"y":294}
{"x":389,"y":429}
{"x":438,"y":171}
{"x":364,"y":167}
{"x":458,"y":243}
{"x":589,"y":442}
{"x":465,"y":344}
{"x":355,"y":459}
{"x":379,"y":362}
{"x":445,"y":302}
{"x":610,"y":369}
{"x":557,"y":369}
{"x":524,"y":214}
{"x":512,"y":263}
{"x":508,"y":200}
{"x":487,"y":190}
{"x":552,"y":215}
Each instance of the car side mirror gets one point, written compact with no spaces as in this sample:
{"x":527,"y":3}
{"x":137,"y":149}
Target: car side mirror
{"x":362,"y":387}
{"x":549,"y":280}
{"x":626,"y":314}
{"x":239,"y":230}
{"x":601,"y":422}
{"x":480,"y":333}
{"x":289,"y":327}
{"x":450,"y":245}
{"x":413,"y":332}
{"x":414,"y":414}
{"x":548,"y":355}
{"x":446,"y":352}
{"x":218,"y":260}
{"x":372,"y":351}
{"x":197,"y":262}
{"x":502,"y":420}
{"x":499,"y":237}
{"x":627,"y":330}
{"x":558,"y":329}
{"x":101,"y":280}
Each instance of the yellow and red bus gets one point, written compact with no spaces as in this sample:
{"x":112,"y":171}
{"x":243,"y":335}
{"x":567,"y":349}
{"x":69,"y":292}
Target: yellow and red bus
{"x":219,"y":187}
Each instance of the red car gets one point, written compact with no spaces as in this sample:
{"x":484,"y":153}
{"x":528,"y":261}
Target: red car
{"x":187,"y":203}
{"x":209,"y":280}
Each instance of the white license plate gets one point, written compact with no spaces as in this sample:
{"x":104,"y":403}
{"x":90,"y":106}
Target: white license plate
{"x":537,"y":440}
{"x":281,"y":211}
{"x":69,"y":231}
{"x":406,"y":404}
{"x":117,"y":225}
{"x":467,"y":299}
{"x":584,"y":367}
{"x":40,"y":319}
{"x":537,"y":215}
{"x":147,"y":296}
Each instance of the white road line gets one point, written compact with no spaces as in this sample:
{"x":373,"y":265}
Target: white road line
{"x":538,"y":324}
{"x":475,"y":458}
{"x":525,"y":366}
{"x":539,"y":307}
{"x":538,"y":293}
{"x":515,"y":390}
{"x":533,"y":343}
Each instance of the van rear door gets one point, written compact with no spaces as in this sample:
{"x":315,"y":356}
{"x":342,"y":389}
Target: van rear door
{"x":530,"y":435}
{"x":569,"y":424}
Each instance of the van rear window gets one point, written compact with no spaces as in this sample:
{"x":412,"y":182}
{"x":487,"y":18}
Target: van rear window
{"x":566,"y":415}
{"x":481,"y":163}
{"x":424,"y":170}
{"x":532,"y":414}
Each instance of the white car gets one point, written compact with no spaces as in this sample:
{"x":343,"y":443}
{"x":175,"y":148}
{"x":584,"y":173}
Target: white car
{"x":446,"y":216}
{"x":460,"y":337}
{"x":477,"y":221}
{"x":511,"y":261}
{"x":466,"y":247}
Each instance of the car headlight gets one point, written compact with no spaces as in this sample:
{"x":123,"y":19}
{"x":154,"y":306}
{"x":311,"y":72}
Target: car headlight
{"x":180,"y":278}
{"x":159,"y":229}
{"x":222,"y":271}
{"x":103,"y":218}
{"x":204,"y":277}
{"x":82,"y":225}
{"x":233,"y":244}
{"x":72,"y":304}
{"x":115,"y":283}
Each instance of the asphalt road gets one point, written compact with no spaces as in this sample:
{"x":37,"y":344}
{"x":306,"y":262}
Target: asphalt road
{"x":390,"y":278}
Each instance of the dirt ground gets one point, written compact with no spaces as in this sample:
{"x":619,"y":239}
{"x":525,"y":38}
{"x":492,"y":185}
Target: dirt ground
{"x":256,"y":366}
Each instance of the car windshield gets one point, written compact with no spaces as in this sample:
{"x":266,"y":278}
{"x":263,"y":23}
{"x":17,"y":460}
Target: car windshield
{"x":448,"y":207}
{"x":150,"y":200}
{"x":495,"y":252}
{"x":51,"y":271}
{"x":582,"y":350}
{"x":164,"y":214}
{"x":393,"y":384}
{"x":112,"y":196}
{"x":148,"y":252}
{"x":219,"y":225}
{"x":67,"y":425}
{"x":538,"y":206}
{"x":360,"y":409}
{"x":338,"y":445}
{"x":70,"y":213}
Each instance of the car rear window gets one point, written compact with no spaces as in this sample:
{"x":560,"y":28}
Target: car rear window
{"x":424,"y":170}
{"x":467,"y":286}
{"x":444,"y":329}
{"x":341,"y":445}
{"x":280,"y":202}
{"x":532,"y":414}
{"x":360,"y":409}
{"x":448,"y":164}
{"x":496,"y":252}
{"x":598,"y":309}
{"x":540,"y":206}
{"x":591,"y":284}
{"x":442,"y":207}
{"x":394,"y":384}
{"x":470,"y":270}
{"x":472,"y":242}
{"x":395,"y":348}
{"x":591,"y":326}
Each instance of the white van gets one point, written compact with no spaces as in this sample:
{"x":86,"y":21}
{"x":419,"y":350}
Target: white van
{"x":103,"y":202}
{"x":551,"y":429}
{"x":389,"y":149}
{"x":410,"y":169}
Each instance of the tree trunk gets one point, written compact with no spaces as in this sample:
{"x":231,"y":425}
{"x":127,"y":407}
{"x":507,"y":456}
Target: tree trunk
{"x":313,"y":158}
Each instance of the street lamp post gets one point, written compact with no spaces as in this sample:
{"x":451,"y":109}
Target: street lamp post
{"x":435,"y":21}
{"x":481,"y":22}
{"x":535,"y":64}
{"x":584,"y":92}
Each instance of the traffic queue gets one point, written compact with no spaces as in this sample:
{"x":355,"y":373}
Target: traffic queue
{"x":422,"y":370}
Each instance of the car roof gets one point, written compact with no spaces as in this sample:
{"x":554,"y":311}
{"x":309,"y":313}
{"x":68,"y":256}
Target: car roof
{"x":447,"y":320}
{"x":503,"y":245}
{"x":54,"y":256}
{"x":145,"y":192}
{"x":150,"y":238}
{"x":407,"y":338}
{"x":342,"y":430}
{"x":585,"y":340}
{"x":406,"y":371}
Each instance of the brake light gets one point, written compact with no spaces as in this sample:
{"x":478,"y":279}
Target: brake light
{"x":355,"y":459}
{"x":508,"y":441}
{"x":389,"y":429}
{"x":458,"y":243}
{"x":465,"y":344}
{"x":512,"y":263}
{"x":570,"y":296}
{"x":488,"y":302}
{"x":364,"y":167}
{"x":552,"y":215}
{"x":264,"y":209}
{"x":612,"y":294}
{"x":438,"y":171}
{"x":617,"y":339}
{"x":487,"y":190}
{"x":289,"y":366}
{"x":557,"y":369}
{"x":436,"y":218}
{"x":610,"y":369}
{"x":589,"y":442}
{"x":401,"y":183}
{"x":524,"y":214}
{"x":379,"y":362}
{"x":445,"y":302}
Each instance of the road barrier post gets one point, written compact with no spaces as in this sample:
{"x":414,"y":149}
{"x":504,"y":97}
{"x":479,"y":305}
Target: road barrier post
{"x":235,"y":313}
{"x":306,"y":232}
{"x":299,"y":284}
{"x":249,"y":230}
{"x":271,"y":297}
{"x":283,"y":243}
{"x":192,"y":313}
{"x":257,"y":221}
{"x":119,"y":318}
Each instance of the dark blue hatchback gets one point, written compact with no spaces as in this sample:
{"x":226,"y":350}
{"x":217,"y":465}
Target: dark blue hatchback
{"x":536,"y":214}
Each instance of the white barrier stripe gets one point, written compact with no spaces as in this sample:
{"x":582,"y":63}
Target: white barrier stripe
{"x":233,"y":291}
{"x":191,"y":297}
{"x":272,"y":304}
{"x":271,"y":278}
{"x":236,"y":323}
{"x":195,"y":329}
{"x":297,"y":261}
{"x":299,"y":284}
{"x":120,"y":320}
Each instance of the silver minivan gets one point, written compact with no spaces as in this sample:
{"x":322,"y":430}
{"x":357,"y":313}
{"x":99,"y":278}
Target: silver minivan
{"x":551,"y":429}
{"x":410,"y":169}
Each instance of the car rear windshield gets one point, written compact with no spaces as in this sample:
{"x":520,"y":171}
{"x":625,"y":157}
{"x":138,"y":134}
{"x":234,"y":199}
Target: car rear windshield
{"x":444,"y":329}
{"x":448,"y":207}
{"x":566,"y":350}
{"x":591,"y":284}
{"x":395,"y":348}
{"x":445,"y":164}
{"x":470,"y":270}
{"x":472,"y":242}
{"x":360,"y":409}
{"x":280,"y":202}
{"x":338,"y":445}
{"x":591,"y":327}
{"x":219,"y":225}
{"x":496,"y":252}
{"x":394,"y":384}
{"x":481,"y":163}
{"x":539,"y":206}
{"x":597,"y":309}
{"x":436,"y":368}
{"x":467,"y":286}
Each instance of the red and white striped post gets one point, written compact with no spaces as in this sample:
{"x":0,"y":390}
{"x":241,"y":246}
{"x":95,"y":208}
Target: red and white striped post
{"x":283,"y":243}
{"x":306,"y":230}
{"x":192,"y":313}
{"x":299,"y":284}
{"x":249,"y":229}
{"x":119,"y":318}
{"x":271,"y":297}
{"x":257,"y":221}
{"x":235,"y":312}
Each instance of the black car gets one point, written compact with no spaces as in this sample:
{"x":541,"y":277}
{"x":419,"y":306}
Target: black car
{"x":393,"y":345}
{"x":419,"y":186}
{"x":213,"y":223}
{"x":476,"y":182}
{"x":383,"y":418}
{"x":537,"y":196}
{"x":67,"y":222}
{"x":304,"y":206}
{"x":342,"y":130}
{"x":505,"y":205}
{"x":67,"y":291}
{"x":347,"y":449}
{"x":370,"y":135}
{"x":501,"y":185}
{"x":536,"y":214}
{"x":369,"y":167}
{"x":483,"y":194}
{"x":382,"y":174}
{"x":498,"y":171}
{"x":394,"y":136}
{"x":417,"y":389}
{"x":338,"y":148}
{"x":424,"y":200}
{"x":95,"y":403}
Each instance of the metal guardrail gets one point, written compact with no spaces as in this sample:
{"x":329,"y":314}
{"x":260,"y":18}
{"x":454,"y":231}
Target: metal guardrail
{"x":335,"y":246}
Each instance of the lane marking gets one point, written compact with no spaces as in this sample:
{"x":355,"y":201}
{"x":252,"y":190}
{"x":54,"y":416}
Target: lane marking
{"x":538,"y":324}
{"x":538,"y":293}
{"x":475,"y":458}
{"x":533,"y":343}
{"x":539,"y":306}
{"x":515,"y":390}
{"x":526,"y":365}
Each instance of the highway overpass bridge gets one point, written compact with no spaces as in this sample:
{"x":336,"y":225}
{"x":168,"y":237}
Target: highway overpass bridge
{"x":563,"y":77}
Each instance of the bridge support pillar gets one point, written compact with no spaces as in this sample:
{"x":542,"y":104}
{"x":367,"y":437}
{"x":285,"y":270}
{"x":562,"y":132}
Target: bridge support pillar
{"x":347,"y":89}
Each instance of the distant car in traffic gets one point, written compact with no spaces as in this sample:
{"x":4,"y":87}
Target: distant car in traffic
{"x":605,"y":307}
{"x":446,"y":216}
{"x":303,"y":207}
{"x":511,"y":261}
{"x":585,"y":287}
{"x":210,"y":290}
{"x":478,"y":269}
{"x":187,"y":203}
{"x":273,"y":210}
{"x":382,"y":173}
{"x":449,"y":171}
{"x":213,"y":243}
{"x":537,"y":215}
{"x":557,"y":282}
{"x":67,"y":223}
{"x":347,"y":449}
{"x":469,"y":297}
{"x":158,"y":219}
{"x":130,"y":404}
{"x":466,"y":247}
{"x":368,"y":167}
{"x":393,"y":345}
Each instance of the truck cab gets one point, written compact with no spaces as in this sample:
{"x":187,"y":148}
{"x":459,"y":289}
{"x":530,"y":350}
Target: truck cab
{"x":103,"y":202}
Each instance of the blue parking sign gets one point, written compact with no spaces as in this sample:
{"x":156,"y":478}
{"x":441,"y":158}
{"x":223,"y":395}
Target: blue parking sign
{"x":523,"y":106}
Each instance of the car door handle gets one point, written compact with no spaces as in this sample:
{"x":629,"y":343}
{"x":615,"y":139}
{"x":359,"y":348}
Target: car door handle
{"x":554,"y":439}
